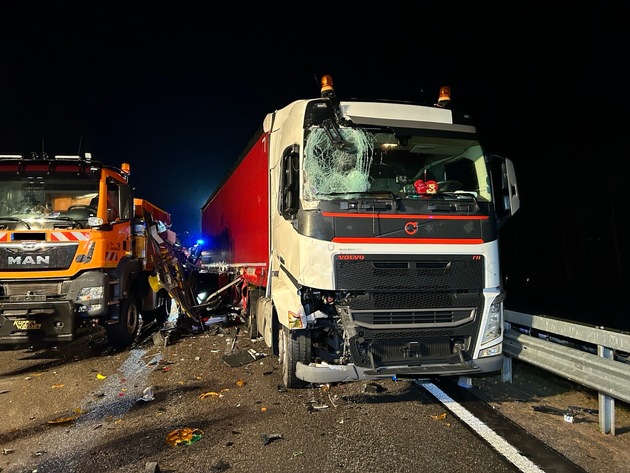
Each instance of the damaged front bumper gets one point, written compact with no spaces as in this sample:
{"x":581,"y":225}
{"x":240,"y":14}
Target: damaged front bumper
{"x":322,"y":373}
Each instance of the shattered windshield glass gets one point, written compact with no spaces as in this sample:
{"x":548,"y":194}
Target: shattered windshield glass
{"x":407,"y":163}
{"x":44,"y":202}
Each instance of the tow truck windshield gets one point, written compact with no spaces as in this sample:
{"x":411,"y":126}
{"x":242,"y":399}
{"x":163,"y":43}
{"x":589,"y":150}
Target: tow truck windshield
{"x":38,"y":202}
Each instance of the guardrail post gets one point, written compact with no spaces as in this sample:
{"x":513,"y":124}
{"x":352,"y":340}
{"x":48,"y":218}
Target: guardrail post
{"x":606,"y":403}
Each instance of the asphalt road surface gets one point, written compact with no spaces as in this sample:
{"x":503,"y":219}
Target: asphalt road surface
{"x":211,"y":400}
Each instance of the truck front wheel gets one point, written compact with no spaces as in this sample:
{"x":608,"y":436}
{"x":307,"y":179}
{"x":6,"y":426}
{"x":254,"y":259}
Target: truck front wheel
{"x":122,"y":334}
{"x":294,"y":346}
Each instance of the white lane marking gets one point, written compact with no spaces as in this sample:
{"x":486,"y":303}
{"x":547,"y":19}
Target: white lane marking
{"x":504,"y":448}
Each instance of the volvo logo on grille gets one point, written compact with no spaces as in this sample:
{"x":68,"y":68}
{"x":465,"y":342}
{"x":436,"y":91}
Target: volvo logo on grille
{"x":30,"y":260}
{"x":350,"y":257}
{"x":411,"y":228}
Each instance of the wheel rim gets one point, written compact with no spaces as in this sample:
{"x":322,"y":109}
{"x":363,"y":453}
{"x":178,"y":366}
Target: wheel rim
{"x":132,"y":318}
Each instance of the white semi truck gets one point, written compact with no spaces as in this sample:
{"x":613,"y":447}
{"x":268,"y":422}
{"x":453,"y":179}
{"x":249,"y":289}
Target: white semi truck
{"x":361,"y":240}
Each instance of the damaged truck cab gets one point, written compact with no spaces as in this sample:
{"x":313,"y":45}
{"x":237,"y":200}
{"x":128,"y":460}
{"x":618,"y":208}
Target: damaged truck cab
{"x":366,"y":236}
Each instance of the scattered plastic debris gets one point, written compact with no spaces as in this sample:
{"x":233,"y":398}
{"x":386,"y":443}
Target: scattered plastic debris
{"x":6,"y":451}
{"x":100,"y":376}
{"x":152,"y":467}
{"x":57,"y":386}
{"x":316,"y":406}
{"x":210,"y":394}
{"x":64,"y":420}
{"x":184,"y":436}
{"x":147,"y":395}
{"x":439,"y":417}
{"x":4,"y":391}
{"x":268,"y":438}
{"x":569,"y":418}
{"x":242,"y":358}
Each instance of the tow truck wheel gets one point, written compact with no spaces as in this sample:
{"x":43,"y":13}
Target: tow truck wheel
{"x":122,"y":334}
{"x":295,"y":345}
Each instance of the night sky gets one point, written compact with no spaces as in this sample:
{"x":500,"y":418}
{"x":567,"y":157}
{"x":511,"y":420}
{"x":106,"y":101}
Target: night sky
{"x":178,"y":90}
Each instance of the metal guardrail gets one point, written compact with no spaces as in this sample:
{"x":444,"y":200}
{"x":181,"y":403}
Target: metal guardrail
{"x":591,"y":356}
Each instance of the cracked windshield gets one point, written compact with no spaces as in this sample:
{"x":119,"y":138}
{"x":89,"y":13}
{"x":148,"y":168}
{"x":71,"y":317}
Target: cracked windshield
{"x":46,"y":202}
{"x":405,"y":165}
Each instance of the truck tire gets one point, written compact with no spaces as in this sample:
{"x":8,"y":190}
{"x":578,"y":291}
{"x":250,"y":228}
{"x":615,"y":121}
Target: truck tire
{"x":295,"y":345}
{"x":253,"y":294}
{"x":123,"y":333}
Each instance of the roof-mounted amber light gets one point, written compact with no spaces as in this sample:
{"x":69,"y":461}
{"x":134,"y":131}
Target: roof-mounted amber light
{"x":444,"y":98}
{"x":125,"y":168}
{"x":326,"y":84}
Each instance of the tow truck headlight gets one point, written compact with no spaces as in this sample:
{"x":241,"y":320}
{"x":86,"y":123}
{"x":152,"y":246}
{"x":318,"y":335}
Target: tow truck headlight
{"x":494,"y":323}
{"x":89,"y":293}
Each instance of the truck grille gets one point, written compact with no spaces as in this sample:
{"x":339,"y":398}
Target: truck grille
{"x":411,"y":310}
{"x":410,"y":273}
{"x":16,"y":288}
{"x":37,"y":256}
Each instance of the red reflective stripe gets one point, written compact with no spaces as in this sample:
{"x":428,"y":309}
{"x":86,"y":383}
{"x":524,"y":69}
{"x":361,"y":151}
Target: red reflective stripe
{"x":412,"y":241}
{"x":407,"y":216}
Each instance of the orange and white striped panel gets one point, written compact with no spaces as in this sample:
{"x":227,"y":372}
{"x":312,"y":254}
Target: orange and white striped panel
{"x":70,"y":236}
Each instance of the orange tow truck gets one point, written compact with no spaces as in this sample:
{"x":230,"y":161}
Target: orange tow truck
{"x":77,"y":249}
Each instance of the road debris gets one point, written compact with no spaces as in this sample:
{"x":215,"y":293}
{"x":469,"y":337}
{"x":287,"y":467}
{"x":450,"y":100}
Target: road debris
{"x":220,"y":466}
{"x":184,"y":436}
{"x":152,"y":467}
{"x":242,"y":357}
{"x":147,"y":395}
{"x":268,"y":438}
{"x":584,"y":409}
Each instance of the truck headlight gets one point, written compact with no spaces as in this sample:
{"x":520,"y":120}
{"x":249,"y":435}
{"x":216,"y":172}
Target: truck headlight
{"x":90,"y":293}
{"x":494,"y":323}
{"x":494,"y":350}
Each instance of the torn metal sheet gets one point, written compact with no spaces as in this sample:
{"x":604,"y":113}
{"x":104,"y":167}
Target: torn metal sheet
{"x":241,"y":358}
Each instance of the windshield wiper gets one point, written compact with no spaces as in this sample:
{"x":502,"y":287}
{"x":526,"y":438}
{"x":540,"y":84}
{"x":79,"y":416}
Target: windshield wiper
{"x":74,"y":222}
{"x":384,"y":195}
{"x":15,"y":219}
